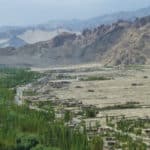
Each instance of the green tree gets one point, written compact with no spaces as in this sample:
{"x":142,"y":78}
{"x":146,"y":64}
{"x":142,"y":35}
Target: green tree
{"x":67,"y":116}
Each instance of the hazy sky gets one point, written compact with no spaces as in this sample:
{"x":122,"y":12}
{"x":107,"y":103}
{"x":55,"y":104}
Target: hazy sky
{"x":25,"y":12}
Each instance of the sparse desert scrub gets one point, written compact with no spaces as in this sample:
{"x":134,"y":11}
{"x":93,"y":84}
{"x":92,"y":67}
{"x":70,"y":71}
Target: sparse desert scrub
{"x":127,"y":105}
{"x":95,"y":78}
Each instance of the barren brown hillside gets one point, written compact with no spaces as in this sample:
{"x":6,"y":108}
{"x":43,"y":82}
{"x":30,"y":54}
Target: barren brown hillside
{"x":120,"y":43}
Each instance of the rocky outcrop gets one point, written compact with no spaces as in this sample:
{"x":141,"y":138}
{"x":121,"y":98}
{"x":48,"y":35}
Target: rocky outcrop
{"x":61,"y":39}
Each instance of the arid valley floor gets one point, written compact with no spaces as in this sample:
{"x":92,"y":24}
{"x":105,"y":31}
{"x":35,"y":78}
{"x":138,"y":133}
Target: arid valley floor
{"x":103,"y":87}
{"x":117,"y":100}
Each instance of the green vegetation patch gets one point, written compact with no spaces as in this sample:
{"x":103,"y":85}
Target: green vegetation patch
{"x":128,"y":105}
{"x":14,"y":77}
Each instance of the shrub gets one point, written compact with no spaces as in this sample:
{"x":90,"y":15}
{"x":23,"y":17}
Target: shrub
{"x":97,"y":143}
{"x":95,"y":78}
{"x":91,"y":112}
{"x":26,"y":142}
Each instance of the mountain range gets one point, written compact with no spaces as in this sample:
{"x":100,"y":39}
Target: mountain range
{"x":19,"y":36}
{"x":121,"y":43}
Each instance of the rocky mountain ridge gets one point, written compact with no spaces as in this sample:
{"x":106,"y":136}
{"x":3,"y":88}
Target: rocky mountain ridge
{"x":123,"y":42}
